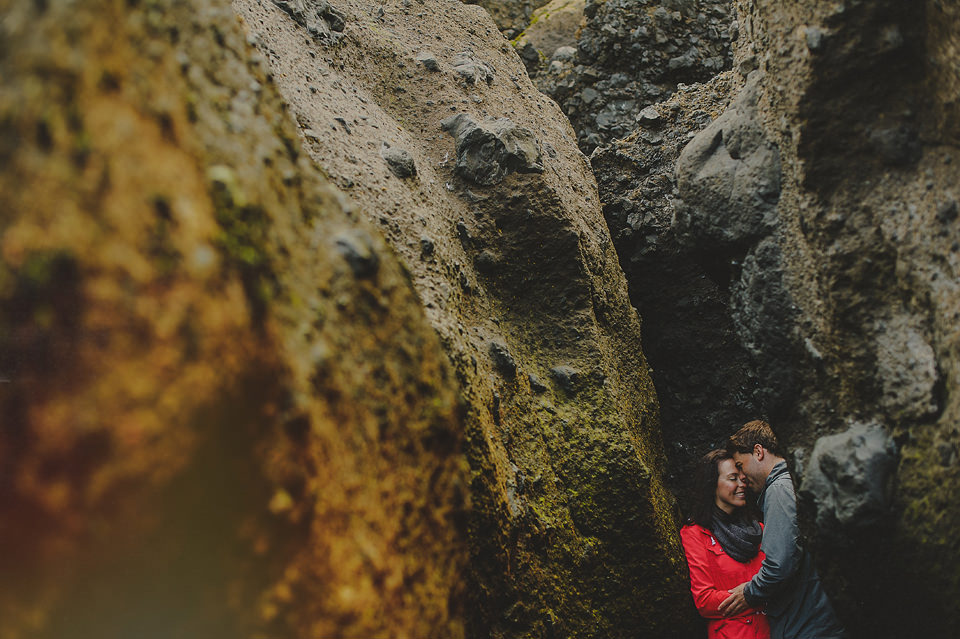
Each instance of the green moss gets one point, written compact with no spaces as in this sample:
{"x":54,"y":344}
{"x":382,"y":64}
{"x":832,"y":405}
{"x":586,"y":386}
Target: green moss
{"x":243,"y":238}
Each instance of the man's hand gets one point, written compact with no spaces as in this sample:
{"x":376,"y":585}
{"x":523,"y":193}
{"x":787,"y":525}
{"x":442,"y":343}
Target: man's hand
{"x":735,"y":603}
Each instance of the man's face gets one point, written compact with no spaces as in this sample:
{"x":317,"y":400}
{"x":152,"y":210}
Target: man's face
{"x":753,"y":473}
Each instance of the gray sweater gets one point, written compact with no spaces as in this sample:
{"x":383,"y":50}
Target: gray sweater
{"x":787,"y":583}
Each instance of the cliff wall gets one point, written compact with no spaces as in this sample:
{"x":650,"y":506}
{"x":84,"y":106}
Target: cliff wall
{"x":803,"y":207}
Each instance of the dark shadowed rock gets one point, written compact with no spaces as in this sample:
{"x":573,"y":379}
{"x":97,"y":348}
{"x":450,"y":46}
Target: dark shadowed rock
{"x":729,"y":179}
{"x":848,"y":481}
{"x":503,"y":360}
{"x":566,"y":377}
{"x":634,"y":53}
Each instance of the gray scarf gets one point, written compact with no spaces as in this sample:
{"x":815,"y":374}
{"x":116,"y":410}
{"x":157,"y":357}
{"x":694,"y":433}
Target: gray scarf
{"x":738,"y":536}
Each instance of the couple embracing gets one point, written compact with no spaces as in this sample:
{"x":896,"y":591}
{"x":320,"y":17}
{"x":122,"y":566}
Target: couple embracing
{"x":752,"y":580}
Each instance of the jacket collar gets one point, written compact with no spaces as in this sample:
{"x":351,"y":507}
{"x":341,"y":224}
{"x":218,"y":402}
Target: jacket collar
{"x":776,"y":473}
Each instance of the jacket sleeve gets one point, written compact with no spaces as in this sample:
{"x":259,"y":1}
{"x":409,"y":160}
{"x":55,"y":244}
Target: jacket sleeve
{"x":780,"y":545}
{"x":706,"y":596}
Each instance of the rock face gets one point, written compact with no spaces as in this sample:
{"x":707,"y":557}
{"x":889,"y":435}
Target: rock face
{"x":839,"y":287}
{"x":572,"y":532}
{"x":632,"y":54}
{"x":224,"y":412}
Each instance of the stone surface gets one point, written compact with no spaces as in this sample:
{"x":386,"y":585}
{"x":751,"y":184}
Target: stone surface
{"x":728,"y":178}
{"x":489,"y":151}
{"x":706,"y":378}
{"x":511,"y":16}
{"x":571,"y":525}
{"x":401,"y":163}
{"x":556,"y":25}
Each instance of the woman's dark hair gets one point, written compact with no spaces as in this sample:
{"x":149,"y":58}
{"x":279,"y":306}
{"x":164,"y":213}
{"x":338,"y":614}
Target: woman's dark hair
{"x":705,"y":478}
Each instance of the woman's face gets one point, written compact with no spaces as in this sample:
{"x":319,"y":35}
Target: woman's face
{"x":730,"y":487}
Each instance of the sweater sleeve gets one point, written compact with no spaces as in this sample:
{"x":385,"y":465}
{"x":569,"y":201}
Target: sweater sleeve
{"x":706,"y":596}
{"x":780,"y":545}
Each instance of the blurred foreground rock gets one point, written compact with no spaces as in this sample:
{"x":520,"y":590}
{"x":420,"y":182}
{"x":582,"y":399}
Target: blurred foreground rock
{"x":224,"y":412}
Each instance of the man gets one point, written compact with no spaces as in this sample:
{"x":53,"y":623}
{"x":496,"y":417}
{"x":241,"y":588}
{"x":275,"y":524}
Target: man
{"x":787,"y":584}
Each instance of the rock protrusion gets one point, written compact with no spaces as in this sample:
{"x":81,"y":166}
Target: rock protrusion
{"x":472,"y":69}
{"x":399,"y":161}
{"x":729,"y":178}
{"x":320,"y":19}
{"x":489,"y":151}
{"x":503,"y":360}
{"x":848,"y":480}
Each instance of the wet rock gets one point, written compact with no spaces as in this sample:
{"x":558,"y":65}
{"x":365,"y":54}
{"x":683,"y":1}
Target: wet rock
{"x":488,"y":151}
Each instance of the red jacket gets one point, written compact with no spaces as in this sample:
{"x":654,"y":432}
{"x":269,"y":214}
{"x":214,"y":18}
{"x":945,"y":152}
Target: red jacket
{"x":712,"y":573}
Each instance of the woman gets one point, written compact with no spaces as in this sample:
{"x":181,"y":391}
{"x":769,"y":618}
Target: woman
{"x":722,"y":543}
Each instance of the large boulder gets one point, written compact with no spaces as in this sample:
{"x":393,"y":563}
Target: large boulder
{"x":224,"y":411}
{"x":572,"y":532}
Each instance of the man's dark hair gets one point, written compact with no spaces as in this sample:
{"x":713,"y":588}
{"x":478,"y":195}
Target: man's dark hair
{"x":751,"y":434}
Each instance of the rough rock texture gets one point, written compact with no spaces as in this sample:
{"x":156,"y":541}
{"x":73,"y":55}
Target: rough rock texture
{"x":572,"y":532}
{"x":856,"y":100}
{"x":848,"y":480}
{"x":556,"y":25}
{"x":224,"y":413}
{"x":705,"y":378}
{"x":511,"y":16}
{"x":634,"y":53}
{"x":844,"y":296}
